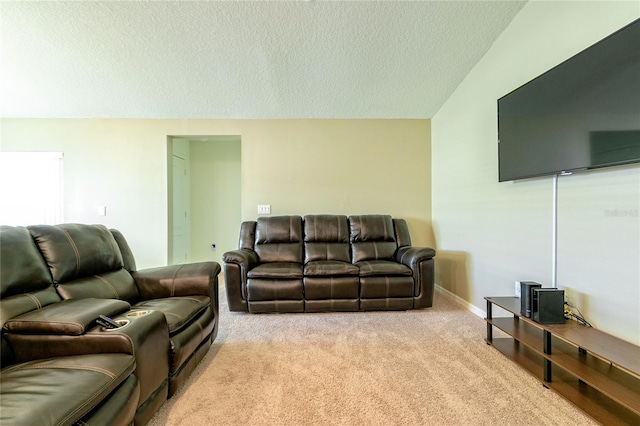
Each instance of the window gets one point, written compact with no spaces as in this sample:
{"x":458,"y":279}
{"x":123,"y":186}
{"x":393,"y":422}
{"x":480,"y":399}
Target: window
{"x":30,"y":188}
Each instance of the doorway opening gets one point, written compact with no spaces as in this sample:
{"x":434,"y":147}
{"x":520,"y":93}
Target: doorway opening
{"x":204,"y":196}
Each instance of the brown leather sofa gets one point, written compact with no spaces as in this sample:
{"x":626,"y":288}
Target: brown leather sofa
{"x":58,"y":365}
{"x":327,"y":263}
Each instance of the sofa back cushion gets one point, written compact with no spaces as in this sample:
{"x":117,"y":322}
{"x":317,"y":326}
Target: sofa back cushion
{"x":25,"y":281}
{"x":247,"y":238}
{"x":326,"y":237}
{"x":372,"y":237}
{"x":74,"y":251}
{"x":127,"y":255}
{"x":23,"y":269}
{"x":85,"y":261}
{"x":117,"y":284}
{"x":279,"y":239}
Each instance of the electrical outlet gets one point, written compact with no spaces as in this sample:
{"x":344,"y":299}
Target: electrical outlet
{"x":264,"y":209}
{"x":517,"y":288}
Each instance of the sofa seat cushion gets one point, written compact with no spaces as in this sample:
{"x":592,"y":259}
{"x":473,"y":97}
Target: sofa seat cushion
{"x":287,"y":270}
{"x":119,"y":408}
{"x":322,"y":268}
{"x":382,"y":268}
{"x":179,"y":311}
{"x":60,"y":390}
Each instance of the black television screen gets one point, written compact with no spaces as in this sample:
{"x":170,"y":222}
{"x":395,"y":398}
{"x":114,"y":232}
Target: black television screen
{"x":581,"y":114}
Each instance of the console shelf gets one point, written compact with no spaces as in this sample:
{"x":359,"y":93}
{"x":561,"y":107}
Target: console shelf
{"x":597,"y":372}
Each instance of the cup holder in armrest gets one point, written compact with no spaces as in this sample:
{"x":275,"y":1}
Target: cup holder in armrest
{"x":121,"y":323}
{"x":136,"y":313}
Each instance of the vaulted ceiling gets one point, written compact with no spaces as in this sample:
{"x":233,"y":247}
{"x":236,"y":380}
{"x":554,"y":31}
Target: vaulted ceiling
{"x":240,"y":59}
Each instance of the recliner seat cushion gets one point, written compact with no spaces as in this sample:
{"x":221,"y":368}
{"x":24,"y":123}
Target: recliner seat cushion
{"x":60,"y":390}
{"x":382,"y":268}
{"x":286,"y":270}
{"x":179,"y":311}
{"x":320,"y":268}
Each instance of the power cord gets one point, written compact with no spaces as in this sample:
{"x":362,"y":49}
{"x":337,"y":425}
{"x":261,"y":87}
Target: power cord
{"x":569,"y":314}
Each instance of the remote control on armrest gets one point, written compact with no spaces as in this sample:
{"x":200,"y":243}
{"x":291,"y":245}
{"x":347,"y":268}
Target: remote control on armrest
{"x":107,"y":322}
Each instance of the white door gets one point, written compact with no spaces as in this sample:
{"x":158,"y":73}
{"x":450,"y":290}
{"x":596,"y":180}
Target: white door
{"x":180,"y":211}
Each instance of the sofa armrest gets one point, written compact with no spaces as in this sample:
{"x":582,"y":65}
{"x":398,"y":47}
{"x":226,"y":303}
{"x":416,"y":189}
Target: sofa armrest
{"x":72,"y":317}
{"x":178,"y":280}
{"x":236,"y":265}
{"x":244,"y":257}
{"x":411,"y":256}
{"x":145,"y":335}
{"x":420,"y":260}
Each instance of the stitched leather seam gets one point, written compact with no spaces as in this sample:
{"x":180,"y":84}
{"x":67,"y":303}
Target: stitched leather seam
{"x":75,"y":249}
{"x":104,"y":280}
{"x":74,"y":367}
{"x":35,"y":300}
{"x":189,"y":298}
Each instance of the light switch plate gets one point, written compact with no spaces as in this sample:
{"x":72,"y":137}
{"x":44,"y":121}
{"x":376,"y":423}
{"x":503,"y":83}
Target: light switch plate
{"x":264,"y":209}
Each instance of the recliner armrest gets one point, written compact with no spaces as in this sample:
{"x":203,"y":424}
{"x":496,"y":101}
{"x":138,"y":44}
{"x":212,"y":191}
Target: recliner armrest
{"x":178,"y":280}
{"x":244,"y":257}
{"x":72,"y":317}
{"x":411,"y":256}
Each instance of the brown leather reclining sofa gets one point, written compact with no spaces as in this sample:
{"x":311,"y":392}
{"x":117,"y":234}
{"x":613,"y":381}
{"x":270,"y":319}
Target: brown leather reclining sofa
{"x":59,"y":366}
{"x":327,"y":263}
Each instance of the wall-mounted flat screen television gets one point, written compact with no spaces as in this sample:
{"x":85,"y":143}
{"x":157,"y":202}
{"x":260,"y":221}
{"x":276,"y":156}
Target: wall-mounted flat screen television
{"x":582,"y":114}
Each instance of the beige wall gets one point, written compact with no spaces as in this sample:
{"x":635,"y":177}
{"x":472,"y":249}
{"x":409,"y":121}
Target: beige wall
{"x":491,"y":234}
{"x":297,"y":166}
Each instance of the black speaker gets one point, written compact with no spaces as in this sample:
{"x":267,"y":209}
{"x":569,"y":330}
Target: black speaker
{"x":547,"y":306}
{"x":526,"y":293}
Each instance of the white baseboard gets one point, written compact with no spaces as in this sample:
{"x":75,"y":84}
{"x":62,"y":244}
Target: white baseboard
{"x":473,"y":309}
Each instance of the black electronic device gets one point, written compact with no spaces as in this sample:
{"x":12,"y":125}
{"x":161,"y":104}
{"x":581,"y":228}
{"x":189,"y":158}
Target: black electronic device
{"x":582,"y":114}
{"x":547,"y":306}
{"x":526,"y":293}
{"x":107,"y":322}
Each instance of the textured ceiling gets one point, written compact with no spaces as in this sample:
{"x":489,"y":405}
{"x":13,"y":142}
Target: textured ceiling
{"x":237,"y":59}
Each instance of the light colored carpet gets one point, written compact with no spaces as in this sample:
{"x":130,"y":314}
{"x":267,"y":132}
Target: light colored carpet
{"x":425,"y":367}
